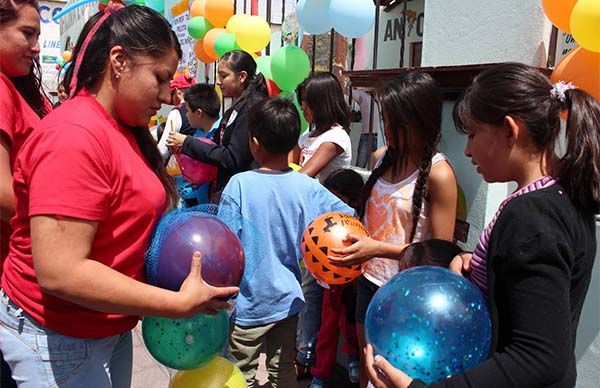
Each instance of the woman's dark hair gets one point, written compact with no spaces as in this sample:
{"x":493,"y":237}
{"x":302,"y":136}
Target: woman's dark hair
{"x":29,"y":86}
{"x":412,"y":108}
{"x":522,"y":92}
{"x":346,"y":182}
{"x":141,"y":31}
{"x":434,"y":252}
{"x":323,"y":94}
{"x":255,"y":85}
{"x":204,"y":96}
{"x":275,"y":123}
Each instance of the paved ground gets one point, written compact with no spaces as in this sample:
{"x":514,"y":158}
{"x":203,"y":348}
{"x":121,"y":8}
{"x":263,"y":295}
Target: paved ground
{"x":148,"y":373}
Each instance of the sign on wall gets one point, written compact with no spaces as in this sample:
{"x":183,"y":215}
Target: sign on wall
{"x":50,"y":46}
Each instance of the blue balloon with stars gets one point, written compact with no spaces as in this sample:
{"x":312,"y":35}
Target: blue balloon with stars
{"x":430,"y":323}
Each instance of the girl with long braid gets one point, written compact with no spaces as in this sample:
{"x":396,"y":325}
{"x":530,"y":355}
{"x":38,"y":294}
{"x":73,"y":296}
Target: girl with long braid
{"x":411,"y":194}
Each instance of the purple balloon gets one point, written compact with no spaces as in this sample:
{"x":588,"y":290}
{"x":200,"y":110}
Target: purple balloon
{"x":222,"y":254}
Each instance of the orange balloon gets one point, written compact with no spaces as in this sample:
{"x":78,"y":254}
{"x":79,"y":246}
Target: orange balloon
{"x":209,"y":42}
{"x":582,"y":68}
{"x":197,"y":8}
{"x":324,"y":233}
{"x":201,"y":54}
{"x":218,"y":12}
{"x":559,"y":12}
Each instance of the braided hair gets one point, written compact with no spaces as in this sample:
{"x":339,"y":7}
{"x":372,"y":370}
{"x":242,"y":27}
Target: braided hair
{"x":412,"y":109}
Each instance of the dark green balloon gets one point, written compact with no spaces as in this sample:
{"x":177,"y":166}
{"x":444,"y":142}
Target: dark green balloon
{"x":186,"y":343}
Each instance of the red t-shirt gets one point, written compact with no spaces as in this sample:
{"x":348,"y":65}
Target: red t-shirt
{"x":80,"y":163}
{"x":17,"y":119}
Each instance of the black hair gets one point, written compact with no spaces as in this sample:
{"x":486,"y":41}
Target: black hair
{"x":275,"y":123}
{"x":412,"y":107}
{"x":346,"y":182}
{"x":140,"y":31}
{"x":323,"y":94}
{"x":29,"y":86}
{"x":520,"y":91}
{"x":204,"y":97}
{"x":434,"y":252}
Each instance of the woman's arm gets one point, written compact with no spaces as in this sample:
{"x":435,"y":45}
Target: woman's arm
{"x":321,"y":158}
{"x":7,"y":196}
{"x":234,"y":156}
{"x":61,"y":248}
{"x":294,"y":155}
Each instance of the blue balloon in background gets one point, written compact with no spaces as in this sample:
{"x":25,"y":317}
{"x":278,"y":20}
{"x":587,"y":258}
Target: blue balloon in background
{"x":429,"y":323}
{"x":351,"y":18}
{"x":313,"y":16}
{"x":157,"y":5}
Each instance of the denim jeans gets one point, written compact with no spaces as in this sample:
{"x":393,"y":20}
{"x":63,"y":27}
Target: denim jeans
{"x":309,"y":320}
{"x":366,"y":146}
{"x":40,"y":357}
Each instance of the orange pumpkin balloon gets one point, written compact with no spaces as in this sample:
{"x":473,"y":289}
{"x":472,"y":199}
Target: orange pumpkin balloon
{"x":582,"y":68}
{"x":209,"y":42}
{"x":201,"y":54}
{"x":324,"y":233}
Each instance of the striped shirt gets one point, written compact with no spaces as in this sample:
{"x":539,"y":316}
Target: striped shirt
{"x":479,"y":267}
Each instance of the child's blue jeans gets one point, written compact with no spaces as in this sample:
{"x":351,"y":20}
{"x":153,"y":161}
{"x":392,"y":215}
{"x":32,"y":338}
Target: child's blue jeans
{"x":309,"y":320}
{"x":40,"y":357}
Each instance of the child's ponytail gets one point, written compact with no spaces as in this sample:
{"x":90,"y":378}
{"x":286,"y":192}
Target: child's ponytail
{"x":579,"y":169}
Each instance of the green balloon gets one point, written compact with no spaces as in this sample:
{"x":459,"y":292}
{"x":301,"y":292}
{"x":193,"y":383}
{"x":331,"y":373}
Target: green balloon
{"x":264,"y":65}
{"x":186,"y":343}
{"x":290,"y":66}
{"x":225,"y":43}
{"x":198,"y":26}
{"x":139,"y":2}
{"x":292,"y":96}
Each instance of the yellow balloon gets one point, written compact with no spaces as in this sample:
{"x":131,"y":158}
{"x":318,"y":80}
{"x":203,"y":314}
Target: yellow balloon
{"x":219,"y":93}
{"x":235,"y":21}
{"x":66,"y":55}
{"x":253,"y":34}
{"x":294,"y":166}
{"x":585,"y":24}
{"x":219,"y":373}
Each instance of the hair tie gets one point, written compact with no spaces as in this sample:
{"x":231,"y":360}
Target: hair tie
{"x":559,"y":89}
{"x":109,"y":10}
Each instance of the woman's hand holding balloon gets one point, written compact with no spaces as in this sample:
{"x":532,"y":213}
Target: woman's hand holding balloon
{"x":196,"y":296}
{"x":461,"y":263}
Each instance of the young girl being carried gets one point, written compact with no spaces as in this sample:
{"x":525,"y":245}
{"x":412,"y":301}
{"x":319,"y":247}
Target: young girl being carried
{"x":411,"y":194}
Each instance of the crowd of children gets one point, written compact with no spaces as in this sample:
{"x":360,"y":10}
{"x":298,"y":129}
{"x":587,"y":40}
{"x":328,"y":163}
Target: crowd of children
{"x":76,"y":248}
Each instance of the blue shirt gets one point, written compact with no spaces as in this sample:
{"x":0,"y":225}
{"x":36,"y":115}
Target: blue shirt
{"x":275,"y":209}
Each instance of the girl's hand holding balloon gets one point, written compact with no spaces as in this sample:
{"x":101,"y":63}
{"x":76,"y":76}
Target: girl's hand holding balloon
{"x":362,"y":249}
{"x":461,"y":263}
{"x":196,"y":296}
{"x":382,"y":374}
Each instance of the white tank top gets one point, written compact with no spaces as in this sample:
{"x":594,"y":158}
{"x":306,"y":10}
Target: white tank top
{"x":388,"y":217}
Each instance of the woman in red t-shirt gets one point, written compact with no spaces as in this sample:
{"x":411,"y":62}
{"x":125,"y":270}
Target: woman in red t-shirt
{"x":89,"y":186}
{"x":22,"y":104}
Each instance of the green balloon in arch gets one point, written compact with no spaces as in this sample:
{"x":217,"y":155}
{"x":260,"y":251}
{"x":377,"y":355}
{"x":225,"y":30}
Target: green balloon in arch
{"x":198,"y":26}
{"x":186,"y":343}
{"x":225,"y":43}
{"x":290,"y":66}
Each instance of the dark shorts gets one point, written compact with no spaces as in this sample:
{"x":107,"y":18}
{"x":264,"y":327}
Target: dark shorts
{"x":364,"y":293}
